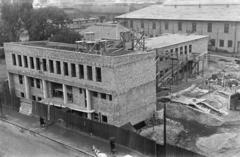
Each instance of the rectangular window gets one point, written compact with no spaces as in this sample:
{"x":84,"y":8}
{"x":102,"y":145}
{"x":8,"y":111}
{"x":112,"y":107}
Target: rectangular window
{"x":104,"y":119}
{"x":166,"y":25}
{"x":221,"y":44}
{"x":153,"y":25}
{"x":44,"y":61}
{"x":226,"y":28}
{"x":181,"y":50}
{"x":95,"y":116}
{"x":142,"y":24}
{"x":22,"y":95}
{"x":51,"y":67}
{"x":190,"y":48}
{"x":65,"y":67}
{"x":58,"y":66}
{"x":171,"y":52}
{"x":39,"y":98}
{"x":33,"y":98}
{"x":81,"y":71}
{"x":31,"y":81}
{"x":20,"y":78}
{"x":89,"y":72}
{"x":31,"y":63}
{"x":230,"y":43}
{"x":73,"y":70}
{"x":212,"y":41}
{"x":194,"y":27}
{"x":25,"y":61}
{"x":179,"y":26}
{"x":95,"y":94}
{"x":176,"y":51}
{"x":80,"y":90}
{"x":209,"y":28}
{"x":20,"y":60}
{"x":38,"y":64}
{"x":103,"y":96}
{"x":14,"y":59}
{"x":38,"y":83}
{"x":110,"y":97}
{"x":98,"y":74}
{"x":185,"y":49}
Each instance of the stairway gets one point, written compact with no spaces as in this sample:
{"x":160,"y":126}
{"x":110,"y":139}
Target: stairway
{"x":166,"y":78}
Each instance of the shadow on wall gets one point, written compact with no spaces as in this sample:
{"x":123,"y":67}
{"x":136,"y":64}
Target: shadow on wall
{"x":2,"y":55}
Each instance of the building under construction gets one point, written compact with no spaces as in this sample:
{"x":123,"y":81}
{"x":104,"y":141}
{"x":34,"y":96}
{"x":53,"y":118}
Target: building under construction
{"x":111,"y":81}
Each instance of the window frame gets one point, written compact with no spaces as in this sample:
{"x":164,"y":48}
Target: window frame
{"x":98,"y":72}
{"x":14,"y":60}
{"x":89,"y":73}
{"x":226,"y":27}
{"x":209,"y":27}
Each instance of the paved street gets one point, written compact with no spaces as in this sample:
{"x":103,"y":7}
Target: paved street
{"x":16,"y":142}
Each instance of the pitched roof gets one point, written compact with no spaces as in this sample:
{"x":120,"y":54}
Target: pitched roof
{"x":204,"y":13}
{"x":106,"y":31}
{"x":201,"y":2}
{"x":171,"y":39}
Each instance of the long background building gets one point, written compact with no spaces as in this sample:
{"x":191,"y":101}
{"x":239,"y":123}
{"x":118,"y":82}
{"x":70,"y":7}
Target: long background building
{"x":218,"y":20}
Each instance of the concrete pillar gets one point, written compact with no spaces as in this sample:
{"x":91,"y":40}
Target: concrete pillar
{"x":88,"y":97}
{"x":26,"y":83}
{"x":64,"y":94}
{"x":44,"y":89}
{"x":10,"y":81}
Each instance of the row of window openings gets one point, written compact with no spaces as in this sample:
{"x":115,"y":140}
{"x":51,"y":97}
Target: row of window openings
{"x":95,"y":94}
{"x":194,"y":26}
{"x":95,"y":115}
{"x":186,"y":50}
{"x":221,"y":43}
{"x":32,"y":80}
{"x":34,"y":98}
{"x":58,"y":67}
{"x":38,"y":82}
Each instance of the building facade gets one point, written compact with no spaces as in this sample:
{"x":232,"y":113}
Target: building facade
{"x":220,"y":22}
{"x":114,"y":89}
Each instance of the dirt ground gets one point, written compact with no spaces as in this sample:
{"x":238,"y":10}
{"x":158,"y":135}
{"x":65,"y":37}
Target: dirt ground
{"x":213,"y":141}
{"x":20,"y":143}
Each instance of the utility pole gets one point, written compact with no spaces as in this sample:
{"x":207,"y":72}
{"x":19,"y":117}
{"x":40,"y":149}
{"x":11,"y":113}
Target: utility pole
{"x":165,"y":130}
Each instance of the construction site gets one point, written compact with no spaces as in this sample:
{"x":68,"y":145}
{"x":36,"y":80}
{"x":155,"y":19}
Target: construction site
{"x":202,"y":109}
{"x":170,"y":78}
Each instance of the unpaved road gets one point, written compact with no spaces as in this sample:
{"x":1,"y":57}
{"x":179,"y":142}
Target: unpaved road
{"x":15,"y":142}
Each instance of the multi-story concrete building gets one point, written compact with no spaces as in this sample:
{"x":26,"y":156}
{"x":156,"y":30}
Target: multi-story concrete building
{"x":220,"y":22}
{"x":114,"y":87}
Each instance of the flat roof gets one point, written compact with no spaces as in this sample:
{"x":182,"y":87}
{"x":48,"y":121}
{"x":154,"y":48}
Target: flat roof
{"x":73,"y":48}
{"x":171,"y":39}
{"x":191,"y":13}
